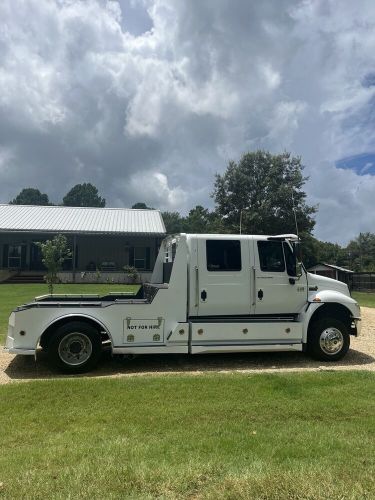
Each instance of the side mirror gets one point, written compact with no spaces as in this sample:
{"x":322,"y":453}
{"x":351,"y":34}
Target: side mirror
{"x":299,"y":270}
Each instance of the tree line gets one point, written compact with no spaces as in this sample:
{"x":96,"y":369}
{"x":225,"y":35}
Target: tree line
{"x":358,"y":255}
{"x":262,"y":193}
{"x":81,"y":195}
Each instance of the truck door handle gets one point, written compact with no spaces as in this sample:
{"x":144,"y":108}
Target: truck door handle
{"x":260,"y":294}
{"x":254,"y":286}
{"x":196,"y":286}
{"x":203,"y":295}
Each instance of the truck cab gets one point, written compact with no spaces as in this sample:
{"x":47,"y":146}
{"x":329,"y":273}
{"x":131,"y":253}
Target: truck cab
{"x":208,"y":294}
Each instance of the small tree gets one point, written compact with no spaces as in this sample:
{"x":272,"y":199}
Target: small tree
{"x":30,"y":196}
{"x":83,"y":195}
{"x":201,"y":220}
{"x":266,"y":192}
{"x":54,"y":253}
{"x":173,"y":222}
{"x":141,"y":205}
{"x":132,"y":273}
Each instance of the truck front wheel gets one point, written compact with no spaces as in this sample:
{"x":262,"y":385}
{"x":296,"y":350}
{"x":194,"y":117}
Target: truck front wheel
{"x":75,"y":347}
{"x":328,"y":339}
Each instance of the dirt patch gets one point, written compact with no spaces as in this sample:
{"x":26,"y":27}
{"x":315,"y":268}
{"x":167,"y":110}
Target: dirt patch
{"x":360,"y":357}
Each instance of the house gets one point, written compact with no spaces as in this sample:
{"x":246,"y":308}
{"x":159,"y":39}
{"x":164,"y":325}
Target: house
{"x":331,"y":271}
{"x":102,"y":241}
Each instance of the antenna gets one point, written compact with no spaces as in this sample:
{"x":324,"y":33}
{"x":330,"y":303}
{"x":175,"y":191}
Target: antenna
{"x":295,"y":215}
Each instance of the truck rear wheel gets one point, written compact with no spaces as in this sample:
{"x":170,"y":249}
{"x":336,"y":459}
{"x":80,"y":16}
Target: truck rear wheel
{"x":75,"y":347}
{"x":328,"y":339}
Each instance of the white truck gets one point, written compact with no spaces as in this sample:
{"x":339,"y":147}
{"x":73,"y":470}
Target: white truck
{"x":208,"y":294}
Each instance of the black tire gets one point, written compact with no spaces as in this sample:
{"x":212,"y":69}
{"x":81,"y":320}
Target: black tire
{"x":328,"y":339}
{"x":75,"y":348}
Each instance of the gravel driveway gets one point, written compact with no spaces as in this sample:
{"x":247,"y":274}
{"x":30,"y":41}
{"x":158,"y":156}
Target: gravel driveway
{"x":360,"y":357}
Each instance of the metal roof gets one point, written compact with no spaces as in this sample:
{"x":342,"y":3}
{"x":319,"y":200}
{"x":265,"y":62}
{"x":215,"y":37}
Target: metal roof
{"x":55,"y":219}
{"x":331,"y":266}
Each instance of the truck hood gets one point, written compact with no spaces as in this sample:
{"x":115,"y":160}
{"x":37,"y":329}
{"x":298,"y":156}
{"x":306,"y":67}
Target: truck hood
{"x":329,"y":284}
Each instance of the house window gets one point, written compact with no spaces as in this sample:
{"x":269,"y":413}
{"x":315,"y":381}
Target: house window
{"x":223,"y":255}
{"x":14,"y":256}
{"x":139,"y":257}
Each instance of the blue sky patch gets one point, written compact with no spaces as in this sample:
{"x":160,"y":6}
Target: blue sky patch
{"x":361,"y":164}
{"x":135,"y":18}
{"x":369,"y":80}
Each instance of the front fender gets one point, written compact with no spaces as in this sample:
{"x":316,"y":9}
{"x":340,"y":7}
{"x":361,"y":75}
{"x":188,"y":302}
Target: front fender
{"x":306,"y":315}
{"x":333,"y":296}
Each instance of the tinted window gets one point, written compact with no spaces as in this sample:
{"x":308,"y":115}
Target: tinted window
{"x":223,"y":255}
{"x":271,"y":256}
{"x":167,"y":271}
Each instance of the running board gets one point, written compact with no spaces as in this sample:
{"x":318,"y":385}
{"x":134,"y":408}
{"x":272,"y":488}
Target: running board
{"x":160,"y":349}
{"x":253,"y":318}
{"x":206,"y":349}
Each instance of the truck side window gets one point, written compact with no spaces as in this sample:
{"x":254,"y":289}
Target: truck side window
{"x":223,"y":255}
{"x":271,"y":256}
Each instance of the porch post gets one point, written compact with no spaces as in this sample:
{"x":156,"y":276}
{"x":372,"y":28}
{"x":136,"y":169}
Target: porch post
{"x":74,"y":257}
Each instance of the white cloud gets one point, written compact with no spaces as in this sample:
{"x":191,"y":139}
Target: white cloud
{"x":285,"y":121}
{"x":104,"y":90}
{"x":155,"y":188}
{"x":271,"y":77}
{"x":6,"y":157}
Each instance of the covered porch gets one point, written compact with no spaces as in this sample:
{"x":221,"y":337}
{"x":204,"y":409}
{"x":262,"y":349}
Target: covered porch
{"x":95,"y":257}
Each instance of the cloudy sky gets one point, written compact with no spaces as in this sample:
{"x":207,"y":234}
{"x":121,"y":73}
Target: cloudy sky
{"x":147,"y":99}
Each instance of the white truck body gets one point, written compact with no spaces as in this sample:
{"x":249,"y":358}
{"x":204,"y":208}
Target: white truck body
{"x":208,"y":293}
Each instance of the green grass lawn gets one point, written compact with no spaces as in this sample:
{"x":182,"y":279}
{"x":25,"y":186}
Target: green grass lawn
{"x":291,"y":436}
{"x":364,"y":299}
{"x":12,"y":296}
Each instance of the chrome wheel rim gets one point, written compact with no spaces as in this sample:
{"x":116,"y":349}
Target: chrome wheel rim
{"x":75,"y":349}
{"x":331,"y":341}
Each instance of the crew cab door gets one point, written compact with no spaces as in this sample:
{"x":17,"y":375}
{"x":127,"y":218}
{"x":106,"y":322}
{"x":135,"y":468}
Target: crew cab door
{"x":223,"y":277}
{"x":277,"y":289}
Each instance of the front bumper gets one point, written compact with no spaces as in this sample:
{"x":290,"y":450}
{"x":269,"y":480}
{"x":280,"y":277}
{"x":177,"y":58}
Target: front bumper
{"x":357,"y":326}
